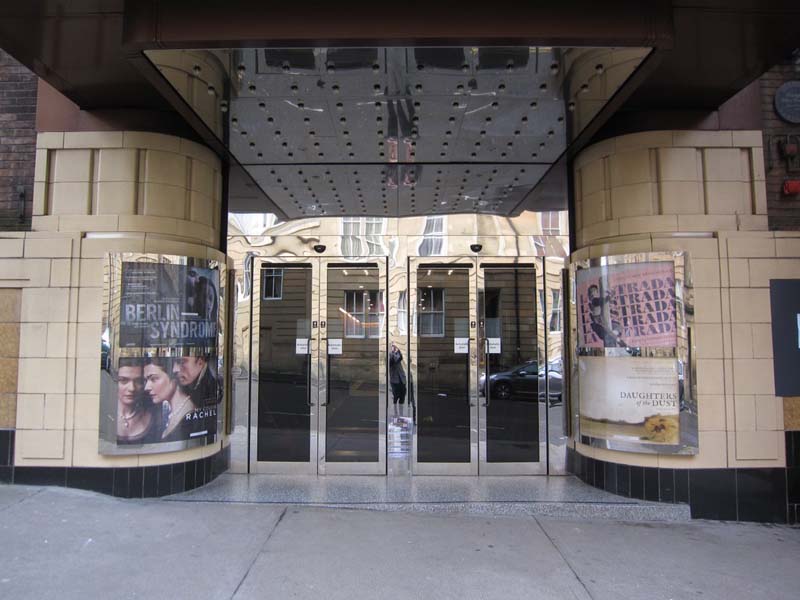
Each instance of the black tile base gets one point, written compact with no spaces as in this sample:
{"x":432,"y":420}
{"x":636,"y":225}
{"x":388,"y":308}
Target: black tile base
{"x":712,"y":494}
{"x":6,"y":447}
{"x":92,"y":479}
{"x":40,"y":476}
{"x":124,"y":482}
{"x":761,"y":495}
{"x":757,"y":495}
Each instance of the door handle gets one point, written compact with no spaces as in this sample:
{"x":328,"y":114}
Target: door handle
{"x":308,"y":386}
{"x":487,"y":376}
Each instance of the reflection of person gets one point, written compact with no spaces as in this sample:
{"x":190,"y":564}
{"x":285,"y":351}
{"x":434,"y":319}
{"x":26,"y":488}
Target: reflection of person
{"x":196,"y":379}
{"x":162,"y":386}
{"x":397,"y":375}
{"x":200,"y":295}
{"x":138,"y":421}
{"x":600,"y":317}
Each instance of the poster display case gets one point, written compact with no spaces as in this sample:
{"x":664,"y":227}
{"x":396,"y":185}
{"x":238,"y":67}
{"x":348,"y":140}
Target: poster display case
{"x":633,"y":376}
{"x":162,"y":349}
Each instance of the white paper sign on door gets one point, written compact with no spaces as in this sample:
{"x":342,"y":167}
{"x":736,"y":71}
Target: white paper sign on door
{"x":334,"y":346}
{"x":461,"y":345}
{"x":494,"y":345}
{"x":301,"y":346}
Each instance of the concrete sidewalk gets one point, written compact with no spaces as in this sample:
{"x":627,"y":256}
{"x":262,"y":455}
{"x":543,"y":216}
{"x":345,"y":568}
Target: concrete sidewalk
{"x":60,"y":543}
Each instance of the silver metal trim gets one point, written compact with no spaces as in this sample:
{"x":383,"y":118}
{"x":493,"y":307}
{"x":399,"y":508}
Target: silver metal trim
{"x":318,"y":377}
{"x":515,"y":468}
{"x":470,"y":468}
{"x":280,"y":467}
{"x":351,"y":468}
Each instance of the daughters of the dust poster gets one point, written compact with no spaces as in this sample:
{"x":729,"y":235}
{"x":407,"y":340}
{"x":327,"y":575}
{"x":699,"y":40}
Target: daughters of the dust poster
{"x":628,"y":398}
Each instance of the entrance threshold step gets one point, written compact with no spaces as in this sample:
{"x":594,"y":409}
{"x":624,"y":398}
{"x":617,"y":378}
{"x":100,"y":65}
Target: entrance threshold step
{"x":561,"y":496}
{"x":617,"y":511}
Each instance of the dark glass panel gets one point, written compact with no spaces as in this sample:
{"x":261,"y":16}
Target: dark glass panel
{"x":284,"y":414}
{"x":355,"y":315}
{"x":516,"y":379}
{"x":443,"y":424}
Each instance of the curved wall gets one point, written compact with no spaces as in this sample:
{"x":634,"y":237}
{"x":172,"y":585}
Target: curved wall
{"x":96,"y":192}
{"x":702,"y":192}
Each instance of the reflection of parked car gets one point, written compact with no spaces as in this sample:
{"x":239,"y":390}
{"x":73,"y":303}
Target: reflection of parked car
{"x":525,"y":382}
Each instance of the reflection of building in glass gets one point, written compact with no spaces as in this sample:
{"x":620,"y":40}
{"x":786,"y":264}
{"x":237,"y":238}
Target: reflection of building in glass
{"x":363,"y":313}
{"x":272,"y":284}
{"x":551,"y":224}
{"x":245,"y":285}
{"x":553,"y":309}
{"x":431,"y":312}
{"x":402,"y":312}
{"x":362,"y":236}
{"x":433,"y":237}
{"x":530,"y":234}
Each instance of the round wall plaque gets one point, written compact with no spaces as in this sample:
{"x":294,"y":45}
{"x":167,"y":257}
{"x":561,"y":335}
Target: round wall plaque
{"x":787,"y":102}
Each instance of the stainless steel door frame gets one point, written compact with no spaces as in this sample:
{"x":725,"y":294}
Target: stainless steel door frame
{"x":444,"y":468}
{"x":284,"y":467}
{"x":556,"y":277}
{"x":351,"y":468}
{"x":507,"y":468}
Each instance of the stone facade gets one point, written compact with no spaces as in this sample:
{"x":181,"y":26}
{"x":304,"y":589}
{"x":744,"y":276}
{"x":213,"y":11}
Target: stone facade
{"x":95,"y":193}
{"x":702,"y":192}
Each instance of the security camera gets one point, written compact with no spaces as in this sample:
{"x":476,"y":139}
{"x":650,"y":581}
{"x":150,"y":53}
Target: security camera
{"x":476,"y":247}
{"x":319,"y":248}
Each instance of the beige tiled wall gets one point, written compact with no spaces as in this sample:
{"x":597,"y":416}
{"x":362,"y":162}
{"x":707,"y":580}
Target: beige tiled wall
{"x":127,"y":181}
{"x":95,"y":193}
{"x":704,"y":193}
{"x":670,"y":181}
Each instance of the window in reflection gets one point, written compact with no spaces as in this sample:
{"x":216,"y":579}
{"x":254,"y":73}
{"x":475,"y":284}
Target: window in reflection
{"x":362,"y":236}
{"x":247,"y":277}
{"x":431,"y":312}
{"x":363,"y":313}
{"x":551,"y":224}
{"x":433,"y":240}
{"x":272,"y":287}
{"x":555,"y":311}
{"x":554,"y":321}
{"x":402,"y":312}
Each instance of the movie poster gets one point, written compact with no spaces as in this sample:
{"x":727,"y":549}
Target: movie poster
{"x":627,"y":305}
{"x":632,"y":399}
{"x":166,"y":384}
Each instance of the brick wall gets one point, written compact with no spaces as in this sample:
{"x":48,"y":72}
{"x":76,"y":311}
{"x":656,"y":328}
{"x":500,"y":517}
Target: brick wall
{"x":784,"y":211}
{"x":17,"y":143}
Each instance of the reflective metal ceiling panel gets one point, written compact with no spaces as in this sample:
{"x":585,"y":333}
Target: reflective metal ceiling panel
{"x":397,"y":131}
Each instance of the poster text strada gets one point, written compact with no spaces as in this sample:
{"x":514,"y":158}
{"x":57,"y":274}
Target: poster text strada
{"x":627,"y":305}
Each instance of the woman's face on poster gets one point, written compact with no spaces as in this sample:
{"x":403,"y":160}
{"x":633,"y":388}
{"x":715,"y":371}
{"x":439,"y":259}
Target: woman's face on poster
{"x":129,"y":384}
{"x":158,"y":384}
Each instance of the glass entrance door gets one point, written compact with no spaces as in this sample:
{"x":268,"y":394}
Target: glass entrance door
{"x":443,"y":366}
{"x":353,"y":368}
{"x":284,"y":368}
{"x":478,"y":378}
{"x":512,"y":378}
{"x":318,"y":383}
